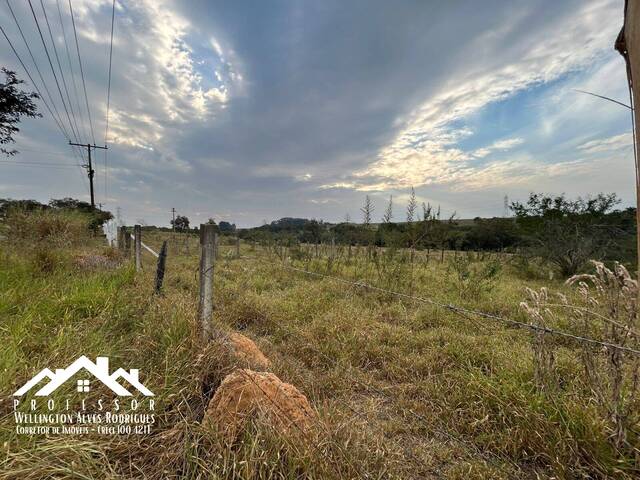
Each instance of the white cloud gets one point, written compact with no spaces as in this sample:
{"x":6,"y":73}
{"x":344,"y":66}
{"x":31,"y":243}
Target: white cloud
{"x":167,"y":85}
{"x":609,"y":144}
{"x":424,"y":151}
{"x":499,"y":145}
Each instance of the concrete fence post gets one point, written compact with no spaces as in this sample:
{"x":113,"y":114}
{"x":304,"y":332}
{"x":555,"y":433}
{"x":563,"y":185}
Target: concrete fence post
{"x":127,"y":242}
{"x":120,"y":238}
{"x":137,"y":234}
{"x":208,"y":241}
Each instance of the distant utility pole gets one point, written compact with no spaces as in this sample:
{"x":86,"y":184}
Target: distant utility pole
{"x":89,"y":167}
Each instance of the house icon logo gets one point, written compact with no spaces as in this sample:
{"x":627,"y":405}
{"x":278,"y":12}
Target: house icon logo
{"x":99,"y":369}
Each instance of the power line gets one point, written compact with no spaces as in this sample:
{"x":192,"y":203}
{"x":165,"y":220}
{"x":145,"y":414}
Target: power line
{"x":56,"y":117}
{"x":35,"y":85}
{"x":55,"y":77}
{"x":53,"y":164}
{"x":84,"y":85}
{"x":73,"y":75}
{"x":64,"y":82}
{"x":62,"y":154}
{"x":604,"y":98}
{"x":50,"y":108}
{"x":106,"y":128}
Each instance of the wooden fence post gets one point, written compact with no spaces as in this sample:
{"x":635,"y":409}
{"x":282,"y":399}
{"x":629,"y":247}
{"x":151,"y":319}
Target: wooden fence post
{"x":237,"y":247}
{"x":162,"y":260}
{"x":120,"y":238}
{"x":137,"y":233}
{"x":208,"y":241}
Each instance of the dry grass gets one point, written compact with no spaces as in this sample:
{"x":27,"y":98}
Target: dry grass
{"x":401,"y":390}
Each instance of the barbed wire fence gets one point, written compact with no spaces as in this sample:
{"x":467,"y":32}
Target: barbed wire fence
{"x":459,"y":310}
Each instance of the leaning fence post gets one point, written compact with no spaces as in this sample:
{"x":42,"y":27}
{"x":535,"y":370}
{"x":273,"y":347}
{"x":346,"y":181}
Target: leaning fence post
{"x":208,"y":242}
{"x":162,"y":260}
{"x":137,"y":233}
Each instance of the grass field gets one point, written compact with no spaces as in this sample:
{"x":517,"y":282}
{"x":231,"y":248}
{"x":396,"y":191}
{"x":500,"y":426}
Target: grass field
{"x":402,"y":389}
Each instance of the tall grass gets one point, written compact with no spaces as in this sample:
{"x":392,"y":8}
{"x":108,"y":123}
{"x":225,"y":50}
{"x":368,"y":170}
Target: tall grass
{"x":402,"y":390}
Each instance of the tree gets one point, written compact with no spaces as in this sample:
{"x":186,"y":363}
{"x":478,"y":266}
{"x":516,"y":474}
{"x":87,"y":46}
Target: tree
{"x":14,"y":104}
{"x":567,"y":233}
{"x":211,"y":221}
{"x":367,"y":211}
{"x":181,"y":223}
{"x":226,"y":227}
{"x":412,"y":206}
{"x":388,"y":213}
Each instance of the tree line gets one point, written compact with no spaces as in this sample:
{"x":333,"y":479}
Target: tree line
{"x":563,"y":232}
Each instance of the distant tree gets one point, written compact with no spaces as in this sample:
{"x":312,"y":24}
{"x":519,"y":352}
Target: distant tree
{"x":14,"y":104}
{"x":70,"y":204}
{"x":181,"y":223}
{"x":388,"y":213}
{"x":426,"y":211}
{"x":211,"y":221}
{"x":367,"y":211}
{"x":567,"y":233}
{"x":98,"y":216}
{"x":7,"y":204}
{"x":412,"y":206}
{"x":226,"y":227}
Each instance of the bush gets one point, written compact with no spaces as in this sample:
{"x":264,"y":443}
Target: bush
{"x":56,"y":228}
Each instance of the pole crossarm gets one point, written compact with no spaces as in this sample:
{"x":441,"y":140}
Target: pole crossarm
{"x":90,"y":171}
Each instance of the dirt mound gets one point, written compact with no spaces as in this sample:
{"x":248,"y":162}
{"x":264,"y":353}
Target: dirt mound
{"x":245,"y":393}
{"x":246,"y":350}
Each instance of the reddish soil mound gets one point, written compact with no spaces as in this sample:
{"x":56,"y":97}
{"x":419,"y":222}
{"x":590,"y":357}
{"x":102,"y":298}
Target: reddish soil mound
{"x":245,"y":393}
{"x":246,"y":350}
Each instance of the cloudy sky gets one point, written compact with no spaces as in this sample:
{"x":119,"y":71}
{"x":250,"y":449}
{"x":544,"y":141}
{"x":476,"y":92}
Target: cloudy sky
{"x":250,"y":111}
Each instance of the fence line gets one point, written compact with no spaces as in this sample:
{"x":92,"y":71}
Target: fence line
{"x":146,"y":247}
{"x":462,"y":311}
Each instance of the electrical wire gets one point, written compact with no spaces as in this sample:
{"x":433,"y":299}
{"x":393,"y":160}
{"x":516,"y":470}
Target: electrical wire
{"x":51,"y":108}
{"x":55,"y":77}
{"x":73,"y":75}
{"x":106,"y":128}
{"x":84,"y":85}
{"x":64,"y":82}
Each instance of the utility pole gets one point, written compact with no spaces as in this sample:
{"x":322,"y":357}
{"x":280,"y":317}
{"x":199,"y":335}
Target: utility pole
{"x":91,"y":172}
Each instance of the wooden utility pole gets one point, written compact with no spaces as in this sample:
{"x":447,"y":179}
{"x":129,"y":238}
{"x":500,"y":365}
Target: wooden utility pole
{"x":137,"y":241}
{"x":208,"y":240}
{"x":628,"y":44}
{"x":90,"y":171}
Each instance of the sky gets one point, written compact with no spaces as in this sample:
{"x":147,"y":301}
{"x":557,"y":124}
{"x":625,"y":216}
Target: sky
{"x":250,"y":111}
